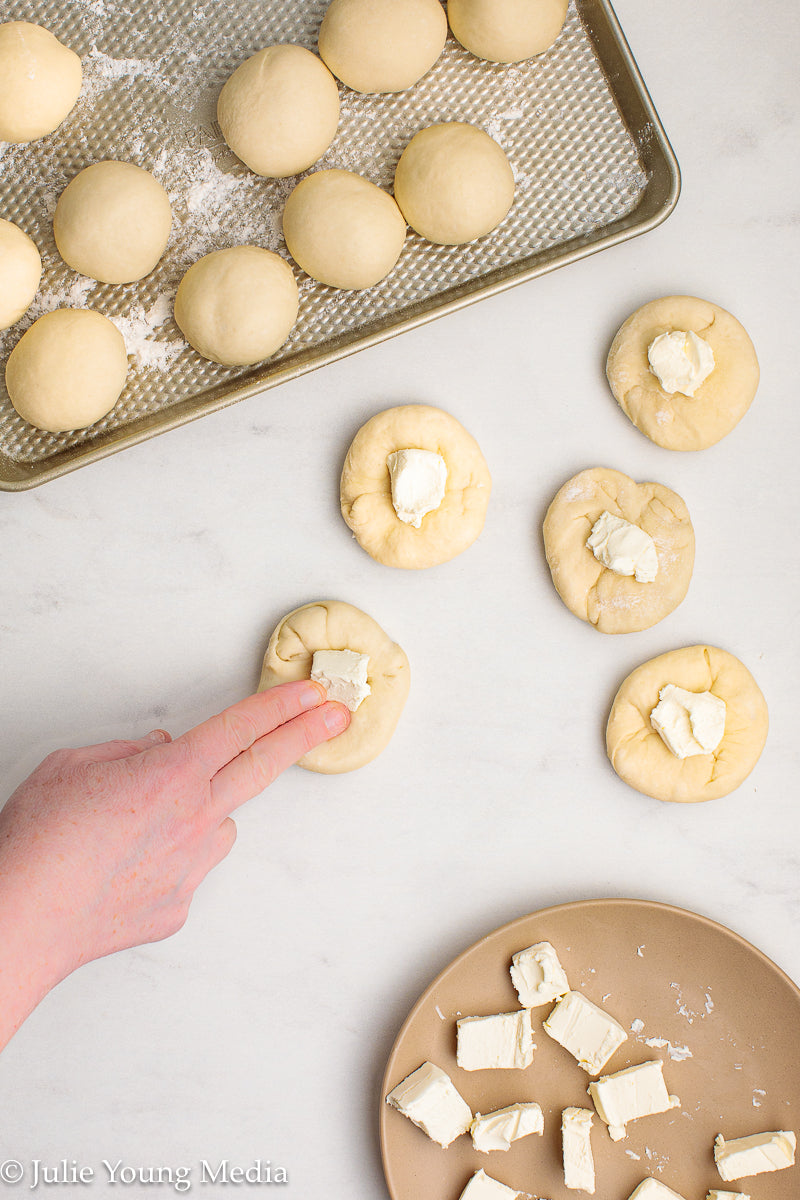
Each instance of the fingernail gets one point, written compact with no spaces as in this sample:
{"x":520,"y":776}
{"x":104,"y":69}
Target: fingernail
{"x":158,"y":736}
{"x":312,"y":694}
{"x":336,"y":718}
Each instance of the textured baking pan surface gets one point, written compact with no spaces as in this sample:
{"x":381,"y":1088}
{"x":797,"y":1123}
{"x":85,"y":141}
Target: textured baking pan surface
{"x":591,"y":161}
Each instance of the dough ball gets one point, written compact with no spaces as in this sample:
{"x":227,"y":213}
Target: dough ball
{"x":279,"y":111}
{"x":68,"y":370}
{"x":334,"y":625}
{"x":382,"y":45}
{"x":676,"y":421}
{"x":237,"y":306}
{"x":40,"y":80}
{"x":112,"y":222}
{"x":453,"y":183}
{"x":638,"y":753}
{"x":366,"y":493}
{"x":506,"y":31}
{"x":342,"y":229}
{"x":20,"y":273}
{"x":617,"y":603}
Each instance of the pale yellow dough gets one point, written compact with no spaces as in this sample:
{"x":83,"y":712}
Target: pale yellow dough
{"x":366,"y":492}
{"x":679,"y":422}
{"x":378,"y":46}
{"x":506,"y":31}
{"x":617,"y":603}
{"x":640,"y":757}
{"x":40,"y":81}
{"x":335,"y":625}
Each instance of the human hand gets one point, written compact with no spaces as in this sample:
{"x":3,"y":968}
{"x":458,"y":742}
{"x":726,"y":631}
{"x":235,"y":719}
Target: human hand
{"x":102,"y":847}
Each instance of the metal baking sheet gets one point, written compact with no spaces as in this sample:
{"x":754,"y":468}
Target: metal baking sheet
{"x":592,"y":164}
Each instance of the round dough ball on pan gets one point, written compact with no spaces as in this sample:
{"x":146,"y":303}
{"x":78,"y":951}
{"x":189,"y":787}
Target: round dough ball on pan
{"x":237,"y":306}
{"x":674,"y":420}
{"x":68,"y":370}
{"x":20,"y":273}
{"x":342,"y":229}
{"x":616,"y":603}
{"x":112,"y":222}
{"x":40,"y":80}
{"x":382,"y":45}
{"x":279,"y":110}
{"x":640,"y":756}
{"x":366,"y":490}
{"x":335,"y":625}
{"x":506,"y":31}
{"x":453,"y":183}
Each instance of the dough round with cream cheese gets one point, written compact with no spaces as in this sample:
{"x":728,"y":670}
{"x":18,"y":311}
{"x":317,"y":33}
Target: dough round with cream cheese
{"x":20,"y":273}
{"x":377,"y":46}
{"x":279,"y":110}
{"x":638,"y":753}
{"x":335,"y":625}
{"x":40,"y":80}
{"x":453,"y":183}
{"x":675,"y":421}
{"x":617,"y":603}
{"x":506,"y":31}
{"x":366,"y":492}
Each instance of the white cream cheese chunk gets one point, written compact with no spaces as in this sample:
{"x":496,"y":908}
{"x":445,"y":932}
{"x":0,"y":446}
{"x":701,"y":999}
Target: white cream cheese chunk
{"x":689,"y":723}
{"x":623,"y":547}
{"x":497,"y":1130}
{"x":630,"y":1094}
{"x":504,"y":1041}
{"x":680,"y":361}
{"x":589,"y":1034}
{"x":576,"y":1149}
{"x":343,"y":674}
{"x":418,"y":479}
{"x":483,"y":1187}
{"x":538,"y":975}
{"x":429,"y":1098}
{"x":755,"y":1154}
{"x":716,"y":1194}
{"x":653,"y":1189}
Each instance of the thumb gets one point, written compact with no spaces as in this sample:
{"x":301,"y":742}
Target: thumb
{"x":121,"y":748}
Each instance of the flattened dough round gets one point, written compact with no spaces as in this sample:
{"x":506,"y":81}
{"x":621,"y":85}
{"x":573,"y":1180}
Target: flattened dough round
{"x":679,"y":422}
{"x":335,"y":625}
{"x":640,"y":757}
{"x":20,"y":273}
{"x":506,"y":31}
{"x":617,"y":603}
{"x":366,"y":491}
{"x":40,"y":80}
{"x":382,"y":45}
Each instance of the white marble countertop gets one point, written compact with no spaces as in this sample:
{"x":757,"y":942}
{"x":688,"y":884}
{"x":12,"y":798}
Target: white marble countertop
{"x":141,"y":591}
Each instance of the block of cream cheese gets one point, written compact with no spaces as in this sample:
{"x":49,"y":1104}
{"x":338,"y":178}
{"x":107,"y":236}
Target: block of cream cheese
{"x":716,"y":1194}
{"x":418,"y":479}
{"x":653,"y":1189}
{"x":483,"y":1187}
{"x":680,"y":361}
{"x":576,"y":1149}
{"x":343,"y":674}
{"x":502,"y":1041}
{"x":429,"y":1098}
{"x":630,"y":1094}
{"x":623,"y":547}
{"x":497,"y":1130}
{"x":538,"y":975}
{"x":590,"y":1035}
{"x":755,"y":1154}
{"x":688,"y":723}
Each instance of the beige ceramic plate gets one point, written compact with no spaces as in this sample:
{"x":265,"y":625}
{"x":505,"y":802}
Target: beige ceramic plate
{"x":722,"y":1016}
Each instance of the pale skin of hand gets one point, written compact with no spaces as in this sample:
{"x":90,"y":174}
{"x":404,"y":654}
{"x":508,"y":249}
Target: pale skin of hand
{"x":102,"y":847}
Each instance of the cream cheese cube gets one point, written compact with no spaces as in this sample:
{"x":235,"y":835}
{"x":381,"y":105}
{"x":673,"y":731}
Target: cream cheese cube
{"x":755,"y":1154}
{"x":538,"y":975}
{"x":576,"y":1149}
{"x":343,"y":674}
{"x":590,"y":1035}
{"x":681,"y":361}
{"x":429,"y":1098}
{"x":497,"y":1130}
{"x":483,"y":1187}
{"x":503,"y":1041}
{"x":418,"y":479}
{"x":623,"y":547}
{"x":688,"y":723}
{"x":716,"y":1194}
{"x":630,"y":1094}
{"x":653,"y":1189}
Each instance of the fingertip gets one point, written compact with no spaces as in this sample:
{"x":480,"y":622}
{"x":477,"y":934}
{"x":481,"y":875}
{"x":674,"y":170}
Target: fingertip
{"x":157,"y":737}
{"x":313,"y":694}
{"x":336,"y":717}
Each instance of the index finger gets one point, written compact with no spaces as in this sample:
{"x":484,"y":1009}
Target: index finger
{"x":216,"y":742}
